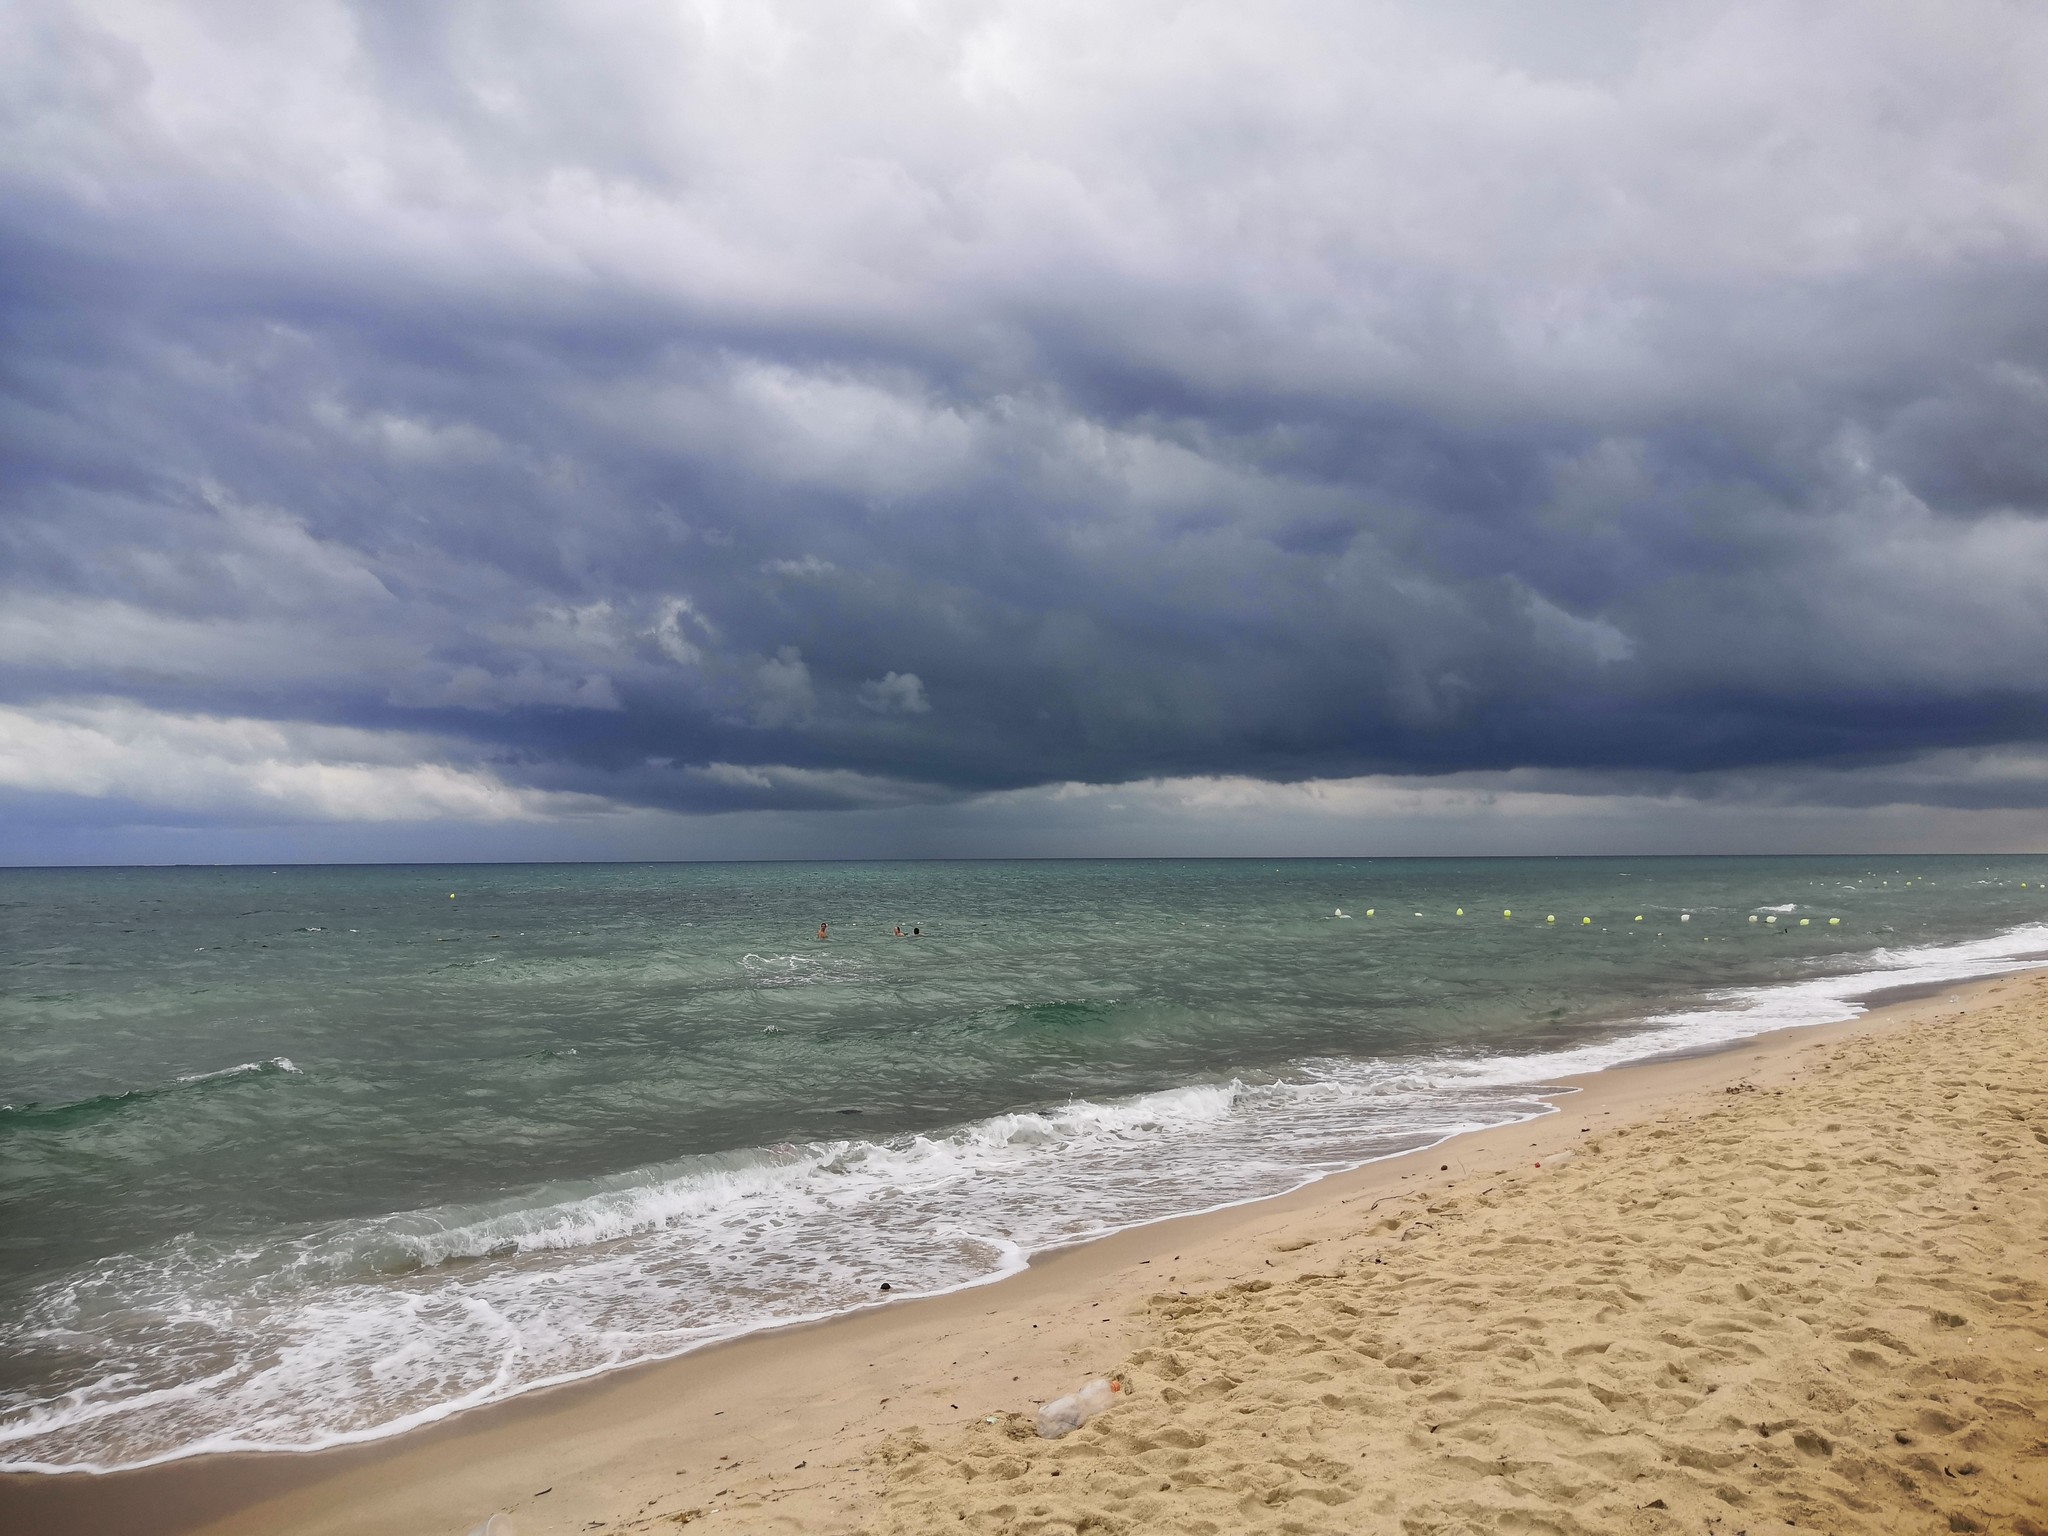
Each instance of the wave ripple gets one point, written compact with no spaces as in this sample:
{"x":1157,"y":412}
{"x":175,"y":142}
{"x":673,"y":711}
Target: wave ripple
{"x":353,"y":1330}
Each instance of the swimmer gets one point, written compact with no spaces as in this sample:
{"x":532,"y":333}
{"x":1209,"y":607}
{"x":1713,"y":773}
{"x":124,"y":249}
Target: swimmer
{"x":899,"y":930}
{"x":822,"y":933}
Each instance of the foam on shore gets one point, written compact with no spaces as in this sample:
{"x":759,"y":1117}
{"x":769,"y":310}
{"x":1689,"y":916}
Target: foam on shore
{"x":353,"y":1331}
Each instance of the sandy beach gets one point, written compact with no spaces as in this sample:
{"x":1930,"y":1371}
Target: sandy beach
{"x":1800,"y":1284}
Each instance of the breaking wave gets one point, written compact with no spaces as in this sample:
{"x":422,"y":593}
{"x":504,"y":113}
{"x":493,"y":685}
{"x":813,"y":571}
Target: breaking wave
{"x":354,"y":1330}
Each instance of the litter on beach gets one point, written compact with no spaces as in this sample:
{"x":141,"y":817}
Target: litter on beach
{"x":1064,"y":1415}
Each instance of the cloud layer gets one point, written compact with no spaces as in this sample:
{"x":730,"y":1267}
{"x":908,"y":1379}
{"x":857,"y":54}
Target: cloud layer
{"x":718,"y":408}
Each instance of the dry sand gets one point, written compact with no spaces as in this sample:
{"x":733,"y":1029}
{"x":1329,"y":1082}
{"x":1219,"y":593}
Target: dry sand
{"x":1818,"y":1305}
{"x":1802,"y":1284}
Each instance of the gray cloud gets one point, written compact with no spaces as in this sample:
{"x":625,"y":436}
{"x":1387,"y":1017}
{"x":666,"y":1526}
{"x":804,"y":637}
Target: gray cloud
{"x":735,"y":411}
{"x":897,"y":693}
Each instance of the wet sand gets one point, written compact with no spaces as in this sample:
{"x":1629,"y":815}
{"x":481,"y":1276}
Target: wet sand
{"x":1798,"y":1284}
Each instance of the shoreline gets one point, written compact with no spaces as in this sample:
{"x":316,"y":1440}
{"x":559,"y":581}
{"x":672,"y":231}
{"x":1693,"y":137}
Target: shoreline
{"x":824,"y":1392}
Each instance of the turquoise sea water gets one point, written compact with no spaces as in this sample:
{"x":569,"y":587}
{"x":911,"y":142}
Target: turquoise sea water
{"x":299,"y":1156}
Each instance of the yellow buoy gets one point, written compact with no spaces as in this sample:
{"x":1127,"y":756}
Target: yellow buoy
{"x":1461,"y":911}
{"x":1551,"y":919}
{"x":1507,"y":911}
{"x":1639,"y":917}
{"x":1804,"y":921}
{"x":1752,"y":917}
{"x":1587,"y":921}
{"x":451,"y":895}
{"x":1368,"y":911}
{"x":1834,"y":922}
{"x":1771,"y":919}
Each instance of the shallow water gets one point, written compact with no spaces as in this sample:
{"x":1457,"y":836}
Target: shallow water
{"x":291,"y":1158}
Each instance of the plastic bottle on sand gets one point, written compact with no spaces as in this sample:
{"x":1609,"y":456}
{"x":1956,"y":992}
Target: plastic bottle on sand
{"x":496,"y":1525}
{"x":1064,"y":1415}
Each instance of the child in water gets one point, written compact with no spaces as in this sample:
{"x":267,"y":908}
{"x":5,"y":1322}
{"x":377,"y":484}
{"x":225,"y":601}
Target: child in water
{"x":822,"y":933}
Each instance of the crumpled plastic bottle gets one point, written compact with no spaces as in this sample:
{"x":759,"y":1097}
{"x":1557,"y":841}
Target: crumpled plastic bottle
{"x":1064,"y":1415}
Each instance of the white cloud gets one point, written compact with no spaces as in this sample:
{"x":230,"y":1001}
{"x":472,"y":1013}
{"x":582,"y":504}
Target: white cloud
{"x":897,"y":693}
{"x":87,"y":635}
{"x":258,"y":770}
{"x":408,"y":439}
{"x":1936,"y":802}
{"x":682,"y":632}
{"x":834,"y":786}
{"x":1959,"y":779}
{"x":782,"y":690}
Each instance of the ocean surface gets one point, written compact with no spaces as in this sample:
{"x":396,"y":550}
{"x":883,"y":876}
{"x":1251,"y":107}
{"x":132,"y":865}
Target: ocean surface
{"x":291,"y":1158}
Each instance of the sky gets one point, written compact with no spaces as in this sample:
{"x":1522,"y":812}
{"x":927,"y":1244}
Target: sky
{"x":692,"y":429}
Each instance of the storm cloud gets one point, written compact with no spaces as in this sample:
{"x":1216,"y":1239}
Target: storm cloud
{"x":521,"y":414}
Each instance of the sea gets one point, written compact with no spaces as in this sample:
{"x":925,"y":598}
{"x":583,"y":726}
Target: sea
{"x":298,"y":1157}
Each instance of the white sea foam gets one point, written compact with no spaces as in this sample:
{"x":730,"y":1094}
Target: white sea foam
{"x":268,"y":1064}
{"x":363,"y":1329}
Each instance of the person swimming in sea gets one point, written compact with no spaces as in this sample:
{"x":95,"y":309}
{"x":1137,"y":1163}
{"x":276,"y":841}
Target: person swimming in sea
{"x":822,"y":933}
{"x":899,"y":930}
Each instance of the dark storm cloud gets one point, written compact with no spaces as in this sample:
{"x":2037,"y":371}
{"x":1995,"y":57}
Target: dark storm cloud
{"x":723,"y":408}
